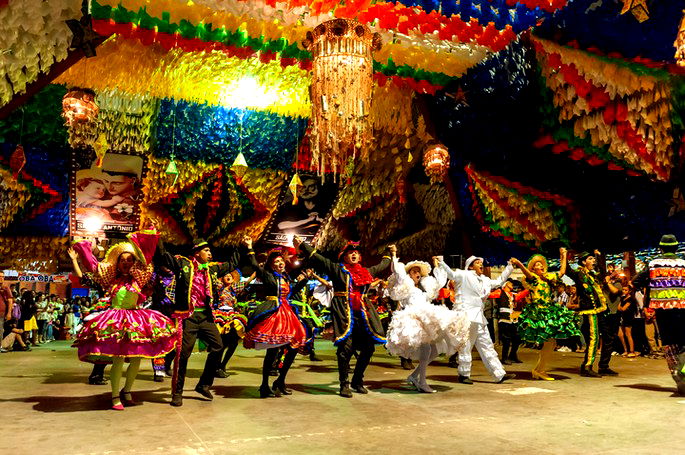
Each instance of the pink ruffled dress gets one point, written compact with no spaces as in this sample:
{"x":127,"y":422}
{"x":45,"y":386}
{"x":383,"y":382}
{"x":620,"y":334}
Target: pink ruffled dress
{"x":124,"y":329}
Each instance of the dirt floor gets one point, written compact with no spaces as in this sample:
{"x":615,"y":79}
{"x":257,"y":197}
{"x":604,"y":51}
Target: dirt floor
{"x":48,"y":407}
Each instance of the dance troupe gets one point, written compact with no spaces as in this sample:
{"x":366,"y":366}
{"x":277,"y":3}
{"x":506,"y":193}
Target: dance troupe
{"x":191,"y":300}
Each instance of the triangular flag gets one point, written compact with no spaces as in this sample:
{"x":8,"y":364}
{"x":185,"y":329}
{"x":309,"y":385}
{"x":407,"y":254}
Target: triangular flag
{"x":101,"y":147}
{"x":239,"y":161}
{"x":171,"y":169}
{"x":294,"y":183}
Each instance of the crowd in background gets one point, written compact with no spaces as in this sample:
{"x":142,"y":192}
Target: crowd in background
{"x":34,"y":318}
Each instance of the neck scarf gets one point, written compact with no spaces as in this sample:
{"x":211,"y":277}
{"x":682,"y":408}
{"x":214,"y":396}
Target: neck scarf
{"x":360,"y":275}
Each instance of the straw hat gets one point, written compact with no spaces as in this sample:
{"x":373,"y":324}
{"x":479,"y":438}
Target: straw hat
{"x":423,"y":266}
{"x":538,"y":258}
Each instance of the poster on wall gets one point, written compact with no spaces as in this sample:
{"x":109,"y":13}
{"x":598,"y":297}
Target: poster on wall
{"x":106,"y":200}
{"x":305,"y":218}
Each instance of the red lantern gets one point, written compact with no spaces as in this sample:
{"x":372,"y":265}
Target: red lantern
{"x":436,"y":162}
{"x":78,"y":106}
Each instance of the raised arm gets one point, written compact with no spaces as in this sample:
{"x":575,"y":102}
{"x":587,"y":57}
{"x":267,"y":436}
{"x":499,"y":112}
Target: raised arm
{"x":231,"y":262}
{"x":74,"y":262}
{"x":316,"y":261}
{"x":526,"y":272}
{"x":252,"y":259}
{"x":506,"y":273}
{"x":456,"y":275}
{"x":562,"y":261}
{"x":439,"y":274}
{"x":385,"y":262}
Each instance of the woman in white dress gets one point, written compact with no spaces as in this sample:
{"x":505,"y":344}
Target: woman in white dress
{"x":420,"y":330}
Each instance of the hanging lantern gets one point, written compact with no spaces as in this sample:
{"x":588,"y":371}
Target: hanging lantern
{"x":79,"y":106}
{"x":341,"y":91}
{"x":436,"y":162}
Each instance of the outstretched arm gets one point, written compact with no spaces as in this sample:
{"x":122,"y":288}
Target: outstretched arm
{"x":385,"y":262}
{"x":74,"y":262}
{"x":562,"y":261}
{"x":526,"y":272}
{"x":456,"y":275}
{"x":315,"y":260}
{"x":506,"y":273}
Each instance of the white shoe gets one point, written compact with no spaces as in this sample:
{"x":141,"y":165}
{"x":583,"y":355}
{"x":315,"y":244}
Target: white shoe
{"x":425,"y":388}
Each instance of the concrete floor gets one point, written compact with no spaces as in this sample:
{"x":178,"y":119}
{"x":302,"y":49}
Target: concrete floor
{"x":47,"y":407}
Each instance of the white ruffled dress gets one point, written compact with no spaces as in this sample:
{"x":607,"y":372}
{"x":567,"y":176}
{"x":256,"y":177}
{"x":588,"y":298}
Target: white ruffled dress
{"x":420,"y":322}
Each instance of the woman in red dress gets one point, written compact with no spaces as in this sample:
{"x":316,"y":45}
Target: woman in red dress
{"x":274,"y":323}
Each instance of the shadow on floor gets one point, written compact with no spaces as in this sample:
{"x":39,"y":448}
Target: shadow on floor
{"x":400,"y":386}
{"x":650,"y":388}
{"x":97,"y":402}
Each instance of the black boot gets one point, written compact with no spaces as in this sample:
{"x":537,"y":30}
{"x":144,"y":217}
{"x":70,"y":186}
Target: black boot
{"x":345,"y":391}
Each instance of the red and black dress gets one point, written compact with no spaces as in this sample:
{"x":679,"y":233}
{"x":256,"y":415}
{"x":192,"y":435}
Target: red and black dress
{"x":275,"y":324}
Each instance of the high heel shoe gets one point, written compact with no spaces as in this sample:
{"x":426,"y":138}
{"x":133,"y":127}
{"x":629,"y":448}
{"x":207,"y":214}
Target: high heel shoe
{"x":117,"y":406}
{"x":280,"y":387}
{"x":541,"y":375}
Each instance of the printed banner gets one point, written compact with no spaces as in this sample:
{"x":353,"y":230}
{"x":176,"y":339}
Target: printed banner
{"x":105,"y":201}
{"x":315,"y":199}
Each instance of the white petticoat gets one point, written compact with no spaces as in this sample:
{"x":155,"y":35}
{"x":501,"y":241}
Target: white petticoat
{"x":424,"y":323}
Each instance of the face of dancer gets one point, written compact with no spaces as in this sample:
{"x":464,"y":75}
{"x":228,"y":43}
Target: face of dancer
{"x":538,"y":268}
{"x":415,"y":274}
{"x":353,"y":257}
{"x":125,"y":262}
{"x":477,"y":266}
{"x":590,"y":262}
{"x":278,"y":264}
{"x":204,"y":255}
{"x":227,"y":279}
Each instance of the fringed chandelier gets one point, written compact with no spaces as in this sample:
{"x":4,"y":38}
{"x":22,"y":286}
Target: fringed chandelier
{"x":680,"y":43}
{"x":79,"y":106}
{"x":436,"y":162}
{"x":341,"y":91}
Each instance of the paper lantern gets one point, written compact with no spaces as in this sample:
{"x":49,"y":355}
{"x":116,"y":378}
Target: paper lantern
{"x":79,"y":106}
{"x":341,"y":91}
{"x":436,"y":162}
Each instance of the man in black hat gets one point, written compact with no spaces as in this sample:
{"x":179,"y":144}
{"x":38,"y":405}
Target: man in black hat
{"x":196,"y":290}
{"x":356,"y":325}
{"x":664,"y":281}
{"x":592,"y":304}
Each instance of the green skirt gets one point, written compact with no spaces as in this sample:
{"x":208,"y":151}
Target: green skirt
{"x":541,"y":321}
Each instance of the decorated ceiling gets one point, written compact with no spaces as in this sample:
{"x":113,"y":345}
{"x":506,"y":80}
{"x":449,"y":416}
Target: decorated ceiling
{"x":562,"y":119}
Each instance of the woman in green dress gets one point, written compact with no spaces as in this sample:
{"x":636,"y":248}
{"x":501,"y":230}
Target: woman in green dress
{"x":543,"y":320}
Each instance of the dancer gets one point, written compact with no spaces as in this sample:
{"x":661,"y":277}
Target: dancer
{"x":124,"y":331}
{"x":229,"y":319}
{"x":475,"y":288}
{"x":591,"y":305}
{"x":420,"y":330}
{"x":163,"y":296}
{"x":507,"y":323}
{"x":356,"y":325}
{"x":196,"y":291}
{"x":664,"y":280}
{"x":274,"y":324}
{"x":543,"y":320}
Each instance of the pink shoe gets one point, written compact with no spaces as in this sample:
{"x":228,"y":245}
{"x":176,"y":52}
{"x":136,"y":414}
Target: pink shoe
{"x":118,"y":407}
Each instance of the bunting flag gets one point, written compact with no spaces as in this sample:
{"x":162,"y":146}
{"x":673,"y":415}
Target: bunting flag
{"x":519,"y":213}
{"x":621,"y":111}
{"x":22,"y":196}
